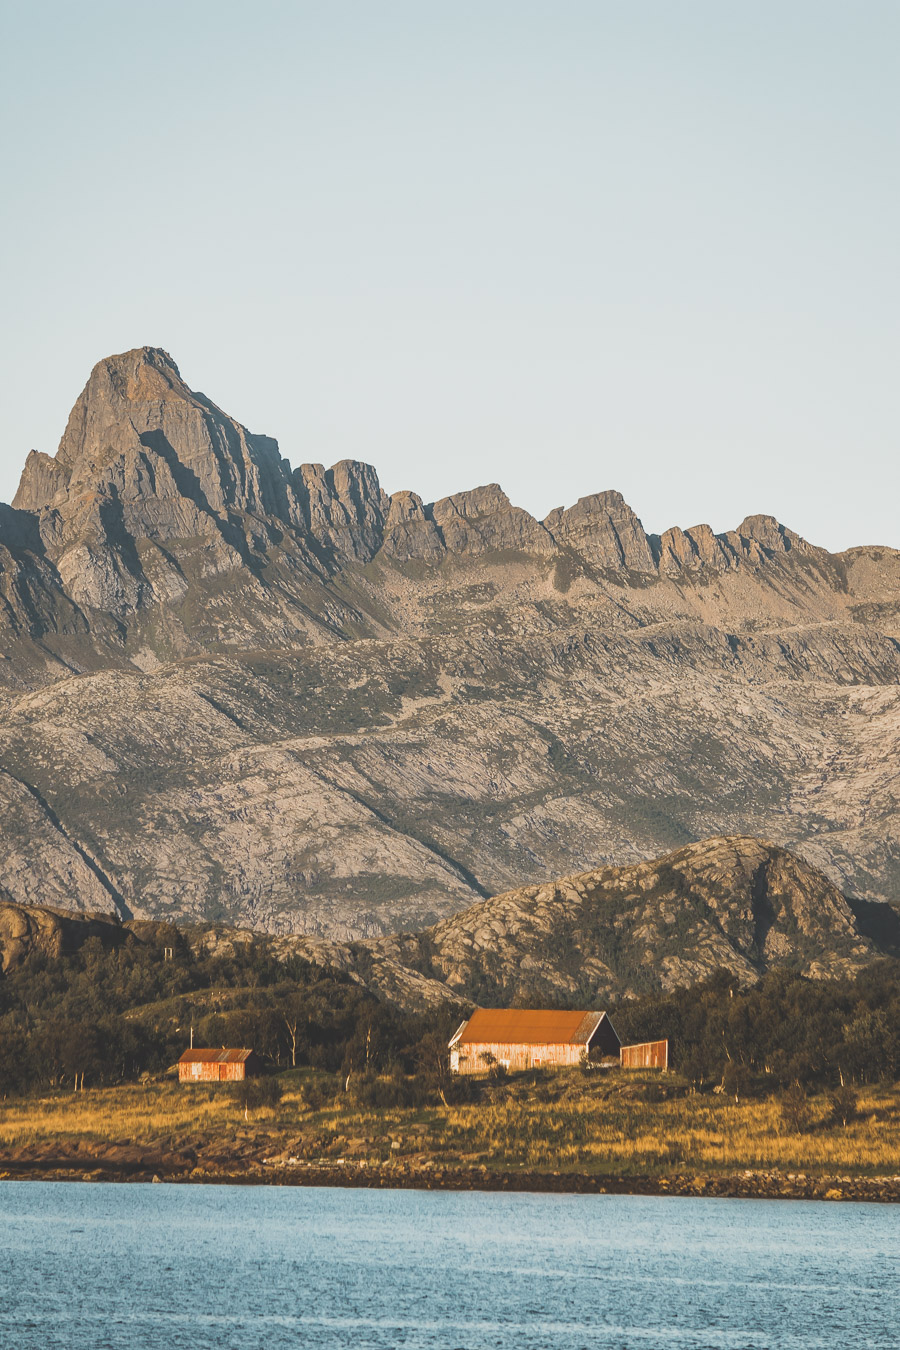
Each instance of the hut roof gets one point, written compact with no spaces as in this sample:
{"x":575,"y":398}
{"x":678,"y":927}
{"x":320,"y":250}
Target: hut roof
{"x":529,"y":1026}
{"x":222,"y":1056}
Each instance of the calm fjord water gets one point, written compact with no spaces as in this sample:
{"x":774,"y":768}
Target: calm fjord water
{"x":91,"y":1267}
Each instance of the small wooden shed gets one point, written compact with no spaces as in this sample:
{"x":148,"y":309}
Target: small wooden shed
{"x":530,"y":1038}
{"x":647,"y":1055}
{"x":218,"y":1066}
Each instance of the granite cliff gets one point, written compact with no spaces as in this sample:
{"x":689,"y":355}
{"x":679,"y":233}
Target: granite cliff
{"x":235,"y":691}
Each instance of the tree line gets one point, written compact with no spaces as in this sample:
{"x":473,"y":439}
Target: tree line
{"x":785,"y":1029}
{"x":104,"y":1015}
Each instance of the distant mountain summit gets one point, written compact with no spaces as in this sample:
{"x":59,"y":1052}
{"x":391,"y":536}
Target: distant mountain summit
{"x":232,"y":689}
{"x":139,"y":436}
{"x":154,"y":488}
{"x":156,"y":494}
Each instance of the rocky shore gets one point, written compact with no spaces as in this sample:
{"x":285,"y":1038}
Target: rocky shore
{"x":127,"y":1163}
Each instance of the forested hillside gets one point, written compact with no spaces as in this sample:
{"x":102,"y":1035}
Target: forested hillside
{"x":112,"y":1012}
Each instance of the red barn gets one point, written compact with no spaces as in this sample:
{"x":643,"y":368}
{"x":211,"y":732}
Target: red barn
{"x":218,"y":1066}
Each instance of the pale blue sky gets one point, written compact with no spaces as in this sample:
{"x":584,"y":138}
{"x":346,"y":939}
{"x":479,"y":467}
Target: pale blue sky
{"x":648,"y":245}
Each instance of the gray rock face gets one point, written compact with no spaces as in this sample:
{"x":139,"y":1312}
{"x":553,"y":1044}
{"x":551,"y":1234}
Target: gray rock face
{"x":768,"y":534}
{"x":604,"y":529}
{"x":144,"y":458}
{"x":155,"y":495}
{"x":137,"y":432}
{"x":40,"y":863}
{"x":410,"y":532}
{"x":736,"y":904}
{"x":697,"y":548}
{"x":485,"y":521}
{"x":232,"y":690}
{"x":344,"y":507}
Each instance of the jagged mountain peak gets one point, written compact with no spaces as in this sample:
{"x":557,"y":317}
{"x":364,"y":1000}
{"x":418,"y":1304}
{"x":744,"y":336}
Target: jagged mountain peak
{"x":119,"y":389}
{"x":136,"y":376}
{"x":145,"y":458}
{"x":139,"y":436}
{"x":134,"y":410}
{"x":770,"y":533}
{"x":157,"y":498}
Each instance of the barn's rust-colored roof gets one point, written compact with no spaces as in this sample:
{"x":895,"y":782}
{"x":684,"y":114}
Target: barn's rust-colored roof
{"x":222,"y":1056}
{"x":529,"y":1026}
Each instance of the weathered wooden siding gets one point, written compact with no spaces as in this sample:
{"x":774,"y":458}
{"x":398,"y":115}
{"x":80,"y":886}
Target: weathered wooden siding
{"x":648,"y":1055}
{"x":475,"y":1057}
{"x":211,"y":1073}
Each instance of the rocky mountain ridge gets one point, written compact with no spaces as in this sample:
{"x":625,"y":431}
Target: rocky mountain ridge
{"x":235,"y":691}
{"x":739,"y":905}
{"x":156,"y":497}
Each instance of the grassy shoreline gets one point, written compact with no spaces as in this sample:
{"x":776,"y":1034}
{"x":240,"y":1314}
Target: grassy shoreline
{"x":551,"y":1132}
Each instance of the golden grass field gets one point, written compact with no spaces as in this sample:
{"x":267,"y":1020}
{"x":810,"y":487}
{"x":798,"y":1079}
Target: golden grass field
{"x":580,"y":1128}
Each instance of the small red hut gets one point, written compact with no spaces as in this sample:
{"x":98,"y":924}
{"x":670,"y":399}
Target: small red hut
{"x":218,"y":1066}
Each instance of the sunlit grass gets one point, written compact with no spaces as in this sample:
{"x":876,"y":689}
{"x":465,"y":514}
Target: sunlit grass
{"x":693,"y":1134}
{"x":130,"y":1113}
{"x":583,"y":1130}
